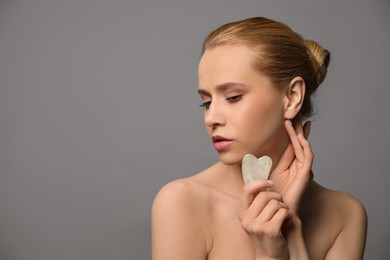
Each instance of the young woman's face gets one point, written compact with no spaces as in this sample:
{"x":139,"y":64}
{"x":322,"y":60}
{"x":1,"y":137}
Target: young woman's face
{"x":244,"y":111}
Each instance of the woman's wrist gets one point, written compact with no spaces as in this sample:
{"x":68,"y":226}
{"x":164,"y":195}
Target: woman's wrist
{"x":295,"y":242}
{"x":282,"y":256}
{"x":270,"y":258}
{"x":296,"y":222}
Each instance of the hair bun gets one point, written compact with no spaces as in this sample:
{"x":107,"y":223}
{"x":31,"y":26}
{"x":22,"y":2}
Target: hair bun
{"x":320,"y":58}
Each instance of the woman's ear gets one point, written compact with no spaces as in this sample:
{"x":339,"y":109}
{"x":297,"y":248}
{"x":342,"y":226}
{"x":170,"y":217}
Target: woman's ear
{"x":294,"y":95}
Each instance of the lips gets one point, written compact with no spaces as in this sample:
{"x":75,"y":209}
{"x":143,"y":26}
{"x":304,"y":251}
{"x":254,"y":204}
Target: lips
{"x":221,"y":143}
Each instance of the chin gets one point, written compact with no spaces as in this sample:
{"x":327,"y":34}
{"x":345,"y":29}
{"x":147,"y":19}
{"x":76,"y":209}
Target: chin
{"x":230,"y":158}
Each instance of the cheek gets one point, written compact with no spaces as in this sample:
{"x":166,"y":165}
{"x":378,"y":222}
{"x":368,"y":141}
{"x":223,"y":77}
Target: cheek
{"x":263,"y":123}
{"x":268,"y":123}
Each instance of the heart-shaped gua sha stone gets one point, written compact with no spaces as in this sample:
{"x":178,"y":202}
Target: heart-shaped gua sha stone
{"x":253,"y":168}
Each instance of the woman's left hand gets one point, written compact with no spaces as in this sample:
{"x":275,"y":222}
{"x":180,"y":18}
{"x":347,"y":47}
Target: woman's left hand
{"x":293,"y":172}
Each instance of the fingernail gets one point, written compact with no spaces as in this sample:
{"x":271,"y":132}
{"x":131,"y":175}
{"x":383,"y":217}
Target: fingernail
{"x":270,"y":183}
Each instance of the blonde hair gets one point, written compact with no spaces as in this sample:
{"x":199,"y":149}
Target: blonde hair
{"x":281,"y":53}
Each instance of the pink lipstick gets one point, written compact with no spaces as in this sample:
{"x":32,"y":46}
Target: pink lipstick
{"x":221,"y":143}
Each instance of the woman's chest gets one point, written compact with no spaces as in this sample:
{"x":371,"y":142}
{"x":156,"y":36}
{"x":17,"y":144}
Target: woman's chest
{"x":230,"y":241}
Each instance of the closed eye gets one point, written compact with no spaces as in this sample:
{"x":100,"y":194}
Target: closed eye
{"x":234,"y":99}
{"x":205,"y":105}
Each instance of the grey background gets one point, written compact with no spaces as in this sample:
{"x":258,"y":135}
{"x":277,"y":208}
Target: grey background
{"x":98,"y":110}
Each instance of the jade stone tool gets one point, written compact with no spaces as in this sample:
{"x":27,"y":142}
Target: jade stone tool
{"x":253,"y":168}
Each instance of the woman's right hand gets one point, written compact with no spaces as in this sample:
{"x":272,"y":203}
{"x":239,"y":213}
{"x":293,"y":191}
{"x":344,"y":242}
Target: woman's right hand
{"x":263,"y":214}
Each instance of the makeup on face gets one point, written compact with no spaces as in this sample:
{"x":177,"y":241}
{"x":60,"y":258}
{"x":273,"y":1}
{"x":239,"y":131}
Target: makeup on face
{"x":221,"y":143}
{"x":243,"y":110}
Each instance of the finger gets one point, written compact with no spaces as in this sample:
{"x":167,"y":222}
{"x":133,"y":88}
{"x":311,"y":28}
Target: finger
{"x":308,"y":153}
{"x":250,"y":191}
{"x":263,"y":200}
{"x":271,"y":209}
{"x":280,"y":217}
{"x":294,"y":141}
{"x":306,"y":129}
{"x":298,"y":126}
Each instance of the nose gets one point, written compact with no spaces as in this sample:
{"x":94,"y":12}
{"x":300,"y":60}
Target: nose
{"x":214,"y":116}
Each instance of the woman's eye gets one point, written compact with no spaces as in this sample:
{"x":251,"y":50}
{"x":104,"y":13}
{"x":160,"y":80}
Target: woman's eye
{"x":205,"y":104}
{"x":234,"y":99}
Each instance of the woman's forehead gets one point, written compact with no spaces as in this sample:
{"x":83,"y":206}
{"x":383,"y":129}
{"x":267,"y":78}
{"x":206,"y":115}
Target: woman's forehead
{"x":230,"y":63}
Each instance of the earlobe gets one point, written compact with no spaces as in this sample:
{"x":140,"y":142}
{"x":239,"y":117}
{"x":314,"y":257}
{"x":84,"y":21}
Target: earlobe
{"x":294,"y":96}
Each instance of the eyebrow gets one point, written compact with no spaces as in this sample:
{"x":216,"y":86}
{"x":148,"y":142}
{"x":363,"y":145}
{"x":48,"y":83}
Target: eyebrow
{"x":221,"y":88}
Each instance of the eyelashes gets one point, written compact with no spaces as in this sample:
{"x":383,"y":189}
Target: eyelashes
{"x":205,"y":105}
{"x":232,"y":99}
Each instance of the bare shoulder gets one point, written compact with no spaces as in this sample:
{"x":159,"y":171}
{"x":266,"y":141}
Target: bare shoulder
{"x":178,"y":220}
{"x":345,"y":220}
{"x":180,"y":194}
{"x":342,"y":204}
{"x":186,"y":194}
{"x":183,"y":200}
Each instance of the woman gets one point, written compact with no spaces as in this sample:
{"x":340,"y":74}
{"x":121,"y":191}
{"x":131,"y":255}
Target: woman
{"x":256,"y":78}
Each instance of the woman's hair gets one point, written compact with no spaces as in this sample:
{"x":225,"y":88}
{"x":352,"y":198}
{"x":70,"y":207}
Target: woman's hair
{"x":281,"y":53}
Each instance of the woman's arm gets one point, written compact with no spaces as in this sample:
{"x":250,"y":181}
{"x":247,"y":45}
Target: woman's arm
{"x":297,"y":161}
{"x":177,"y":231}
{"x":262,"y":215}
{"x":292,"y":175}
{"x":295,"y":241}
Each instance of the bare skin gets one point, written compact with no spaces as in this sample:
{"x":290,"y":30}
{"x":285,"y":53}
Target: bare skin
{"x":213,"y":215}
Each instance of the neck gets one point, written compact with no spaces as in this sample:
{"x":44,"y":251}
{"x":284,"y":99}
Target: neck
{"x":277,"y":147}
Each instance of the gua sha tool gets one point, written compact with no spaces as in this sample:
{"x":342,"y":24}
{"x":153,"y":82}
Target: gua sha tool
{"x":253,"y":168}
